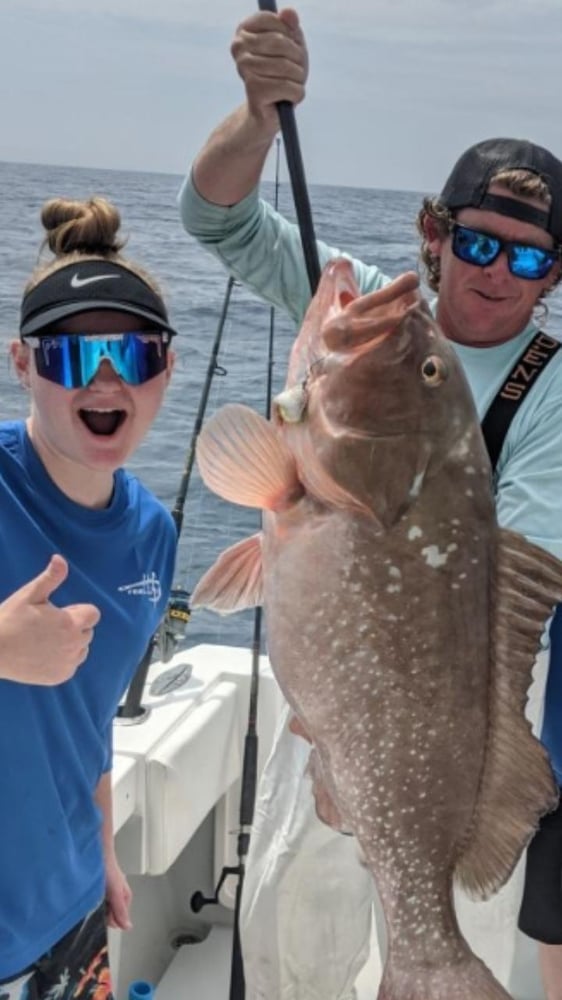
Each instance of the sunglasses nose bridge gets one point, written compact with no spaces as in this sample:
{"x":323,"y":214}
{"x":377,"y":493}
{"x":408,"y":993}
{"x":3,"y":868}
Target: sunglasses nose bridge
{"x":106,"y":370}
{"x":500,"y":261}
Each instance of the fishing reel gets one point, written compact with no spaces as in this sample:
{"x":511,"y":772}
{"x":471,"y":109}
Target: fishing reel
{"x":173,"y":626}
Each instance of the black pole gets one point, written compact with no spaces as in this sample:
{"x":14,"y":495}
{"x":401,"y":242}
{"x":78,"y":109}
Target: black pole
{"x":131,"y":708}
{"x":212,"y":369}
{"x":298,"y":181}
{"x":250,"y":760}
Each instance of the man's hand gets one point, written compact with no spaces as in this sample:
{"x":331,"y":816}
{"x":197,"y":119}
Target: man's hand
{"x":271,"y":57}
{"x":40,"y":643}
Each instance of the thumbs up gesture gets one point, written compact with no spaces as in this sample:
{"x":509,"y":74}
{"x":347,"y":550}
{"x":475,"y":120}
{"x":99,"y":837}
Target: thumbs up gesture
{"x":39,"y":642}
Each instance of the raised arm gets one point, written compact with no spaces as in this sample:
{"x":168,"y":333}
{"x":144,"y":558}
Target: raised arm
{"x":270,"y":55}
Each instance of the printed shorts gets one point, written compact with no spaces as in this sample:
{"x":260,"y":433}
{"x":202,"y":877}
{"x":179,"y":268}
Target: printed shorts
{"x":76,"y":968}
{"x":540,"y":916}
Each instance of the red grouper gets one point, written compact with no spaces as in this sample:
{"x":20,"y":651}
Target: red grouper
{"x":402,"y":622}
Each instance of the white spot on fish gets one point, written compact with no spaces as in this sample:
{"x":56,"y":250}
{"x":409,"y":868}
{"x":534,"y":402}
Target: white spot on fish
{"x":434,"y":557}
{"x":414,"y":532}
{"x":463,"y":447}
{"x":416,"y":486}
{"x":394,"y":571}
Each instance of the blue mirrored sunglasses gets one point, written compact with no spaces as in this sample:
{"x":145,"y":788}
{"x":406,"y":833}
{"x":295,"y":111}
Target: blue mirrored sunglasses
{"x":524,"y":260}
{"x":72,"y":359}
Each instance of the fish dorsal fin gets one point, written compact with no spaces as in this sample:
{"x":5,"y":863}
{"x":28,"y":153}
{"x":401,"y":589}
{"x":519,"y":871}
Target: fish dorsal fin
{"x":517,"y":784}
{"x":242,"y":458}
{"x":234,"y":581}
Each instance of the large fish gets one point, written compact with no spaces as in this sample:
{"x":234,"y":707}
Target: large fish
{"x":402,"y":623}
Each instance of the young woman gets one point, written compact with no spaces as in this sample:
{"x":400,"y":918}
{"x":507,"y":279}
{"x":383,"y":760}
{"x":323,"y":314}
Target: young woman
{"x":87,"y":558}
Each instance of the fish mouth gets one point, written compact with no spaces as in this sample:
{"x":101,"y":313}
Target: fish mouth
{"x":366,"y":322}
{"x":102,"y":422}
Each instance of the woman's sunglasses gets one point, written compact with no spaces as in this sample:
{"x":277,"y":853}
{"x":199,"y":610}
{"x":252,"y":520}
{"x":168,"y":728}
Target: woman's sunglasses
{"x":72,"y":359}
{"x":524,"y":260}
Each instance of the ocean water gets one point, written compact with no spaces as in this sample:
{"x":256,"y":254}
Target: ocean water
{"x":374,"y":225}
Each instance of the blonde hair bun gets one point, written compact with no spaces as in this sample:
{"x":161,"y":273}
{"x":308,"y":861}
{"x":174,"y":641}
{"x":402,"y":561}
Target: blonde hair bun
{"x":84,"y":227}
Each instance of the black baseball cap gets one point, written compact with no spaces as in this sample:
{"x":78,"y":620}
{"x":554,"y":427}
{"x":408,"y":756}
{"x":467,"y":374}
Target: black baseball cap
{"x":86,"y":285}
{"x":467,"y":186}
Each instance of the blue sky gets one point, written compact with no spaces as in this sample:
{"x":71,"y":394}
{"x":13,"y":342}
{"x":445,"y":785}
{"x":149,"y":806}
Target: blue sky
{"x":398,"y":88}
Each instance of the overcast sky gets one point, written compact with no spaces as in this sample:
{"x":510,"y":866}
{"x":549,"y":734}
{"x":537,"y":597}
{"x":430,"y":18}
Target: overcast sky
{"x":397,"y":88}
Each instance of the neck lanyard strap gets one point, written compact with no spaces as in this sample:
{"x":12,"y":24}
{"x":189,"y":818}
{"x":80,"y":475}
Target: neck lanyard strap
{"x":521,"y":378}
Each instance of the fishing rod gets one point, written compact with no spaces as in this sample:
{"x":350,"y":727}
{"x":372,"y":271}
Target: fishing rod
{"x":249,"y":775}
{"x":249,"y":769}
{"x":172,"y":628}
{"x":250,"y":759}
{"x":299,"y":187}
{"x":177,"y":615}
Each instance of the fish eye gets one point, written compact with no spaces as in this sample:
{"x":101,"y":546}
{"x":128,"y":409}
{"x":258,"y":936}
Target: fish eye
{"x":433,"y":370}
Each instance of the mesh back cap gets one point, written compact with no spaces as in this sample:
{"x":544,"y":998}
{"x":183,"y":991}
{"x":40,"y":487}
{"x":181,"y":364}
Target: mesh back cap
{"x":472,"y":174}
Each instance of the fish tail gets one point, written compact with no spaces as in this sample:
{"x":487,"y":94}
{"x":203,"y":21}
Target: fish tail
{"x":468,"y":979}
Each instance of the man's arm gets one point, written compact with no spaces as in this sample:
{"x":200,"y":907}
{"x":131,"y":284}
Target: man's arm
{"x":271,"y":57}
{"x":219,"y":201}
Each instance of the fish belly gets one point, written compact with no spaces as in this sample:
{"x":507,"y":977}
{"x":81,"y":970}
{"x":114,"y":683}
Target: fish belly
{"x":381,"y":648}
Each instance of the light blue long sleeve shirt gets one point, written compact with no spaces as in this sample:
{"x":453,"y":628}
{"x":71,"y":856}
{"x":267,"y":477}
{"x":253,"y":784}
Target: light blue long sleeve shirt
{"x":263,"y":250}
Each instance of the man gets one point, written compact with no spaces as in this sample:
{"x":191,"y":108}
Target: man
{"x":491,"y":247}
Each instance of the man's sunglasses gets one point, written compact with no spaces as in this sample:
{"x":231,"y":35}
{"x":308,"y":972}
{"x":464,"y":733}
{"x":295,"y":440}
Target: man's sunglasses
{"x":524,"y":259}
{"x":72,"y":359}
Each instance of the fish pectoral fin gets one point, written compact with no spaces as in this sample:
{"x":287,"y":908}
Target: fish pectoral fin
{"x":517,"y":784}
{"x":242,"y":458}
{"x":235,"y":581}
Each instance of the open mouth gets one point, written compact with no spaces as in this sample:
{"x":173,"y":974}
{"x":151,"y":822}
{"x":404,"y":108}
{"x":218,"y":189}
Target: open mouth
{"x":102,"y":422}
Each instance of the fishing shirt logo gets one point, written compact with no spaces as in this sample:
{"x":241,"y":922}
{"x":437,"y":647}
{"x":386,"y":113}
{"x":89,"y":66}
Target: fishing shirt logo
{"x":149,"y":587}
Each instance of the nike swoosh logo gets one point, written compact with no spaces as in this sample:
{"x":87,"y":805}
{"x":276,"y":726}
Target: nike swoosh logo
{"x":77,"y":282}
